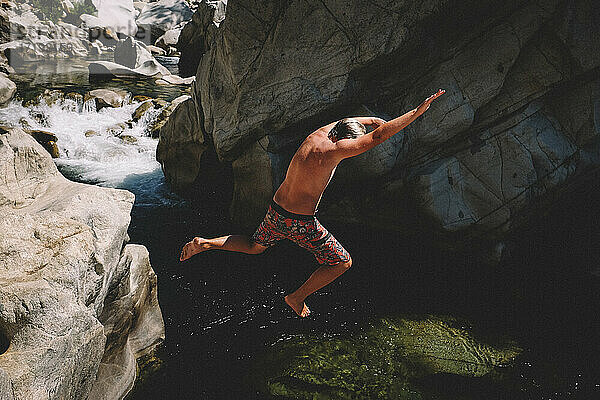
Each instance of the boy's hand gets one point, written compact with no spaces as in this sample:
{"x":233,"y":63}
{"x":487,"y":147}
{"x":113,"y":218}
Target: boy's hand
{"x":425,"y":104}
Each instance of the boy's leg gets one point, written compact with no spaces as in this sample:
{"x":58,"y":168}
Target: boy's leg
{"x":239,"y":243}
{"x":321,"y":277}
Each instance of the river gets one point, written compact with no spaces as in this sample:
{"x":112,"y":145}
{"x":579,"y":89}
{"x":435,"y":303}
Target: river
{"x":223,"y":310}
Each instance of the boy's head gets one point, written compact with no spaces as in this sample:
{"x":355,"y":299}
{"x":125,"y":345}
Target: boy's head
{"x":347,"y":128}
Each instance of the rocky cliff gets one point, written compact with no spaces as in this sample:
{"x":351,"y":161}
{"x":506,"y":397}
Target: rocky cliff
{"x":520,"y":116}
{"x":78,"y":304}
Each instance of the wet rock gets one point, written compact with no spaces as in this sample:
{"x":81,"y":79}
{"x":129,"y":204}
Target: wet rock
{"x":47,"y":140}
{"x":186,"y":145}
{"x":389,"y":355}
{"x":24,"y":124}
{"x":141,"y":110}
{"x":140,"y":98}
{"x":156,"y":51}
{"x":77,"y":305}
{"x":104,"y":98}
{"x":128,"y":139}
{"x":150,"y":68}
{"x":8,"y":89}
{"x":117,"y":129}
{"x":74,"y":96}
{"x":164,"y":115}
{"x":39,"y":116}
{"x":175,"y":80}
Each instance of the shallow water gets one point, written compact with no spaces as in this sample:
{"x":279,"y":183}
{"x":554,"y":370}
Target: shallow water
{"x":223,"y":310}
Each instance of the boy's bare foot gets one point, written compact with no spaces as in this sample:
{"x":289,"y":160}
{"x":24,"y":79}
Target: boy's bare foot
{"x":193,"y":247}
{"x":298,"y":306}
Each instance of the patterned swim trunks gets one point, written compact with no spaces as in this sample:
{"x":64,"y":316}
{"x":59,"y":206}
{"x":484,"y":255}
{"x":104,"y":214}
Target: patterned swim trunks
{"x":304,"y":230}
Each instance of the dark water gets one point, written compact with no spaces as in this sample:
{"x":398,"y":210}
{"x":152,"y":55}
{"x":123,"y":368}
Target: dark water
{"x":223,"y":310}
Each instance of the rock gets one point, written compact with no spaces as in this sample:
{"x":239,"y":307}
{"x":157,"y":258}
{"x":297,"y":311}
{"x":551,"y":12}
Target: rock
{"x":104,"y":98}
{"x":186,"y":145}
{"x":47,"y":140}
{"x":390,"y":355}
{"x":117,"y":15}
{"x":117,"y":129}
{"x":164,"y":115}
{"x":154,"y":50}
{"x":197,"y":35}
{"x":131,"y":53}
{"x":164,"y":15}
{"x":8,"y":89}
{"x":150,"y":68}
{"x":74,"y":96}
{"x":128,"y":139}
{"x":140,"y":98}
{"x":90,"y":132}
{"x":141,"y":110}
{"x":482,"y":154}
{"x":169,"y":39}
{"x":175,"y":80}
{"x":77,"y":305}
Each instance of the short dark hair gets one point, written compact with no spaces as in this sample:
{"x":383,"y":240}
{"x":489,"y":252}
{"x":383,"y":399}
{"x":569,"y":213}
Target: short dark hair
{"x":347,"y":128}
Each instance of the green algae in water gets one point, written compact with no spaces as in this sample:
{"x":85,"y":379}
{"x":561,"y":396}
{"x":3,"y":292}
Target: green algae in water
{"x":380,"y":361}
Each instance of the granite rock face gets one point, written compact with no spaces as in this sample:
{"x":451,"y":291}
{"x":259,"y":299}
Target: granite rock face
{"x":8,"y":89}
{"x":519,"y":117}
{"x":78,"y":304}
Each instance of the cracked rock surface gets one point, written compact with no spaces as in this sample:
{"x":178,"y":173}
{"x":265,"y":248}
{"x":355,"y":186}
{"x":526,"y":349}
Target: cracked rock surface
{"x":519,"y":117}
{"x":77,"y":304}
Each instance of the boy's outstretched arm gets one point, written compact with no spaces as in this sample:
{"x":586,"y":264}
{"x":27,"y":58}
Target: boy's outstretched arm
{"x":346,"y":148}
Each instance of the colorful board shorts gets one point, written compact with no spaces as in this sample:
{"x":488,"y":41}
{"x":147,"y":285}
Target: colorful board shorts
{"x":304,"y":230}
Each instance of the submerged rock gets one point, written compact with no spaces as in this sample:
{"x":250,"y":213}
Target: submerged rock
{"x":382,"y":361}
{"x":78,"y":305}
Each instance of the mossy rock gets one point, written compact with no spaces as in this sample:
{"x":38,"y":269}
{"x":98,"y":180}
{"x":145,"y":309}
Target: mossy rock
{"x":381,"y":361}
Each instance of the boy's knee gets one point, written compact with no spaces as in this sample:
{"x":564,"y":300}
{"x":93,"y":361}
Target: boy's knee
{"x":348,"y":263}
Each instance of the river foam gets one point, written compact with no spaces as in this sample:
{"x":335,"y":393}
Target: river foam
{"x":116,"y":152}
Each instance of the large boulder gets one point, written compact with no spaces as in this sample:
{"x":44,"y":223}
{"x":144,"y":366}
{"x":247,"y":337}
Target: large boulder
{"x":495,"y":142}
{"x":164,"y":15}
{"x":196,"y":36}
{"x":77,"y":304}
{"x":117,"y":15}
{"x":8,"y":89}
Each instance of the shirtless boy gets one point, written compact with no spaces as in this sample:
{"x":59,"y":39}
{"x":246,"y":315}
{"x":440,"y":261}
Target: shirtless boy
{"x":291,"y":214}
